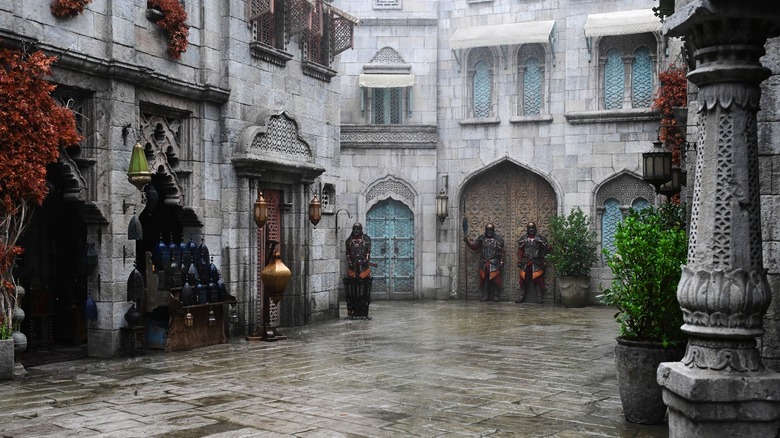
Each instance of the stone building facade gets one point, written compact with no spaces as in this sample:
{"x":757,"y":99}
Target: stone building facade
{"x":252,"y":104}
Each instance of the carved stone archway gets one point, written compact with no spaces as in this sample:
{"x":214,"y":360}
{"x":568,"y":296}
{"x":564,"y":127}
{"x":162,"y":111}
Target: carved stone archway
{"x":508,"y":196}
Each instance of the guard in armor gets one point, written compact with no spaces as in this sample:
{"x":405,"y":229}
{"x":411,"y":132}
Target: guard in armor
{"x":358,"y":253}
{"x":492,"y":247}
{"x":531,"y":251}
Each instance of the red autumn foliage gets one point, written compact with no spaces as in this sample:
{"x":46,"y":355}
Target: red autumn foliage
{"x":68,"y":8}
{"x":673,"y":93}
{"x":174,"y":23}
{"x":33,"y":129}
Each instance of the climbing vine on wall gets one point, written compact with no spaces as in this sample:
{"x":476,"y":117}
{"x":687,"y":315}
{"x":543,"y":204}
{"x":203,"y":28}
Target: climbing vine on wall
{"x":68,"y":8}
{"x":174,"y":23}
{"x":672,"y":94}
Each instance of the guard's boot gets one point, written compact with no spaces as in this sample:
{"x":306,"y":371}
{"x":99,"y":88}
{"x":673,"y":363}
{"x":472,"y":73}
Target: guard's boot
{"x":496,"y":296}
{"x":540,"y":296}
{"x":521,"y":297}
{"x":484,"y":296}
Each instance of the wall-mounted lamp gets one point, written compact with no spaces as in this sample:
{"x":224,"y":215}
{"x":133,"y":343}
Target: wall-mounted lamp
{"x":188,"y":319}
{"x":261,"y":210}
{"x":212,"y":317}
{"x":657,"y":165}
{"x":138,"y":173}
{"x":442,"y":201}
{"x":674,"y":185}
{"x":90,"y":258}
{"x":315,"y":210}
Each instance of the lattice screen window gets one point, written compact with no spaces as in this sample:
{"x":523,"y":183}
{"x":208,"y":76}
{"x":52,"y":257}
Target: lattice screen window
{"x":266,"y":19}
{"x":386,"y":106}
{"x":609,"y":221}
{"x":481,"y":82}
{"x":531,"y":80}
{"x":627,"y":66}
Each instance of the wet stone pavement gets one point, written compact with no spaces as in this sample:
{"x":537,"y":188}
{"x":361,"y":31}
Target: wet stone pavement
{"x":417,"y":369}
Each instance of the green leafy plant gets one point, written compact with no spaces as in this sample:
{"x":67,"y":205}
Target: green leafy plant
{"x":573,"y":243}
{"x":5,"y":332}
{"x":651,"y":246}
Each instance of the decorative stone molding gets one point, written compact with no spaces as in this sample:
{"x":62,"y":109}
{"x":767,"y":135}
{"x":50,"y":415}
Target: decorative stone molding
{"x":707,"y":355}
{"x":389,"y":137}
{"x":603,"y":116}
{"x":391,"y":187}
{"x":269,"y":54}
{"x":318,"y":71}
{"x":275,"y":151}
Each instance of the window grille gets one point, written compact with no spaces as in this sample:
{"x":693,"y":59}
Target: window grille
{"x":609,"y":222}
{"x":387,"y":106}
{"x":642,"y":78}
{"x":532,"y":88}
{"x":614,"y":80}
{"x":482,"y":89}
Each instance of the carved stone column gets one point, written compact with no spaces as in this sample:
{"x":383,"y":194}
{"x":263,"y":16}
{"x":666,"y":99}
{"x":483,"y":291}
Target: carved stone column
{"x":721,"y":388}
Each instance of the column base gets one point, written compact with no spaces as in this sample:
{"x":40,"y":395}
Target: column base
{"x":705,"y":403}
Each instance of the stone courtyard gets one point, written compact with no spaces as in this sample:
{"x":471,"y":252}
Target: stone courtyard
{"x":422,"y":369}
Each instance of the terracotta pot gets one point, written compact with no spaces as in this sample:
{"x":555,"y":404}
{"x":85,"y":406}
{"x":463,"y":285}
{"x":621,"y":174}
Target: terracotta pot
{"x":640,"y":394}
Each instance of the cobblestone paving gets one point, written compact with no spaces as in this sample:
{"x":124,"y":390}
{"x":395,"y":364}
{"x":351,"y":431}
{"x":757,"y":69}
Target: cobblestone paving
{"x":417,"y":369}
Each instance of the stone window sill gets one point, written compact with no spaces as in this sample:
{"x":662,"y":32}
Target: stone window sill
{"x":604,"y":116}
{"x":531,"y":119}
{"x":269,"y":54}
{"x":480,"y":121}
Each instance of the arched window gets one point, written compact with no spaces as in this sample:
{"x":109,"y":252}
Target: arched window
{"x":614,"y":80}
{"x":481,"y":82}
{"x":642,"y":78}
{"x":609,"y":220}
{"x":640,"y":204}
{"x":627,"y":70}
{"x":532,"y":88}
{"x":482,"y":89}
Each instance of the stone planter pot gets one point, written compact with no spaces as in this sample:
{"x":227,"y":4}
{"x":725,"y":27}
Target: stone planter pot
{"x":637,"y":364}
{"x":154,"y":15}
{"x":6,"y":359}
{"x":574,"y":291}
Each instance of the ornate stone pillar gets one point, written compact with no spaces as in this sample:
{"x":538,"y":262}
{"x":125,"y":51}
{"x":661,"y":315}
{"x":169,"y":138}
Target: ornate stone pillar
{"x":721,"y":388}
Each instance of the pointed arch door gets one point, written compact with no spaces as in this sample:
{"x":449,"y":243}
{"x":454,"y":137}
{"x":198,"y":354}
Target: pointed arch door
{"x":509,"y":197}
{"x":390,"y":224}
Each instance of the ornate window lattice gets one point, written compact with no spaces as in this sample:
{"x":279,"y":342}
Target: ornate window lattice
{"x":619,"y":54}
{"x":393,"y":188}
{"x":640,"y":204}
{"x":482,"y":89}
{"x":266,"y":19}
{"x":281,"y":136}
{"x":611,"y":218}
{"x":614,"y":80}
{"x":532,"y":88}
{"x":481,"y":72}
{"x":386,"y":106}
{"x":387,"y":55}
{"x":642,"y":78}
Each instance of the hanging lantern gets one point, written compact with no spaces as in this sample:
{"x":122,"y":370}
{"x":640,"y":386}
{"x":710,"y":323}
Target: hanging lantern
{"x":674,"y":185}
{"x":138,"y":174}
{"x":315,"y":210}
{"x":261,"y":210}
{"x":233,"y":315}
{"x":212,"y":318}
{"x":657,"y":165}
{"x":187,"y":297}
{"x":188,"y":319}
{"x":90,"y":258}
{"x":135,"y":285}
{"x":135,"y":231}
{"x":441,"y":206}
{"x":275,"y":277}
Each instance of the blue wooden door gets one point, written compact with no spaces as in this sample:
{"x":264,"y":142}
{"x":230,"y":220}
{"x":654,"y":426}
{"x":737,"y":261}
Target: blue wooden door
{"x":390,"y":224}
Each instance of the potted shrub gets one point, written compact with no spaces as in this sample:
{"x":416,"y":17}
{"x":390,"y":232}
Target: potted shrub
{"x":650,"y":248}
{"x":573,"y":252}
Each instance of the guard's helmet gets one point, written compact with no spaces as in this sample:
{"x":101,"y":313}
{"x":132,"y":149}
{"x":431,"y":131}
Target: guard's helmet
{"x":357,"y":229}
{"x":490,"y":230}
{"x":531,"y":228}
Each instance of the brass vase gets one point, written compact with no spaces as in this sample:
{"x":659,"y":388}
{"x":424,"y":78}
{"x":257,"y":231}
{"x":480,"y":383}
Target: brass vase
{"x":275,"y":277}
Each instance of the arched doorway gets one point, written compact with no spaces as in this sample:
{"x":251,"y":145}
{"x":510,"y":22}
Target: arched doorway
{"x":509,"y":197}
{"x":390,"y":224}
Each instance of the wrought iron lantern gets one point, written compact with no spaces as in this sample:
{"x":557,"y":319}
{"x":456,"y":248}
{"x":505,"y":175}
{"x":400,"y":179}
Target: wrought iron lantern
{"x":139,"y":174}
{"x":212,"y":318}
{"x":674,"y":185}
{"x":657,"y":165}
{"x":664,"y":9}
{"x":261,"y":210}
{"x":441,"y":206}
{"x":188,"y":319}
{"x":315,"y":210}
{"x":135,"y":285}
